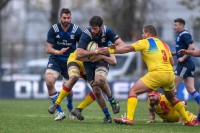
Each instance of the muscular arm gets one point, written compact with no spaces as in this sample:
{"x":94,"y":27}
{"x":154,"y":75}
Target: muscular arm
{"x":119,"y":42}
{"x":191,"y":47}
{"x":81,"y":54}
{"x":190,"y":52}
{"x":111,"y":60}
{"x":51,"y":50}
{"x":151,"y":116}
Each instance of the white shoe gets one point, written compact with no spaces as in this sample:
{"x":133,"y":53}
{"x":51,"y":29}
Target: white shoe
{"x":59,"y":116}
{"x":71,"y":116}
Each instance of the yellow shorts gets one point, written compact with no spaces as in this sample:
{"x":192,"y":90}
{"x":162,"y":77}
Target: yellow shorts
{"x":79,"y":71}
{"x":156,"y":79}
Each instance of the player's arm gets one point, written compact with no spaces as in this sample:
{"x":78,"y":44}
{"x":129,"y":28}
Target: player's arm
{"x":195,"y":52}
{"x":171,"y":61}
{"x":110,"y":59}
{"x":119,"y":42}
{"x":151,"y":116}
{"x":51,"y":50}
{"x":117,"y":50}
{"x":191,"y":47}
{"x":81,"y":53}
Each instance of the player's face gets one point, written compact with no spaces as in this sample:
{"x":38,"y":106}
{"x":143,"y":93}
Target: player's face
{"x":96,"y":31}
{"x":65,"y":19}
{"x":153,"y":99}
{"x":145,"y":34}
{"x":178,"y":27}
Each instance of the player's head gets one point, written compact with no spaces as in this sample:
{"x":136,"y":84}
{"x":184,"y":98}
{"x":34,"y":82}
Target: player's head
{"x":149,"y":31}
{"x":96,"y":24}
{"x":179,"y":25}
{"x":153,"y":97}
{"x":65,"y":17}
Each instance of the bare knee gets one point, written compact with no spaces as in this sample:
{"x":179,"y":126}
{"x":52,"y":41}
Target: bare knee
{"x":50,"y":81}
{"x":97,"y":92}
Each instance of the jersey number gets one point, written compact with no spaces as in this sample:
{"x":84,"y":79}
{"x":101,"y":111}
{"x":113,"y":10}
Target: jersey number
{"x":164,"y":55}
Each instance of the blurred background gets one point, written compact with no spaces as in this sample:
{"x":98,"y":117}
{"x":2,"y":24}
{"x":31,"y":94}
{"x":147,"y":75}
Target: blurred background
{"x":24,"y":25}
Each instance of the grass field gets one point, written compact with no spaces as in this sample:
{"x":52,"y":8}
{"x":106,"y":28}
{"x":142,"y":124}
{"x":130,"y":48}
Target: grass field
{"x":31,"y":116}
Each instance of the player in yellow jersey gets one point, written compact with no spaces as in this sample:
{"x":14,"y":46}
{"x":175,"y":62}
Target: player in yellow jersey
{"x":159,"y":61}
{"x":158,"y":104}
{"x":76,"y":71}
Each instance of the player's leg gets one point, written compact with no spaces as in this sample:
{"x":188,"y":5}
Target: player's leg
{"x":86,"y":101}
{"x":178,"y":106}
{"x":189,"y":83}
{"x":50,"y":77}
{"x":138,"y":88}
{"x":74,"y":74}
{"x":177,"y":81}
{"x":103,"y":72}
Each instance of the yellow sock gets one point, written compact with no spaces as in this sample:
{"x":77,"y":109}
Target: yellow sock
{"x":87,"y":100}
{"x":179,"y":107}
{"x":131,"y":105}
{"x":63,"y":93}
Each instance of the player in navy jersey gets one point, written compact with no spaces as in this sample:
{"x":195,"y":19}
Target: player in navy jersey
{"x":185,"y":69}
{"x":61,"y":42}
{"x":96,"y":72}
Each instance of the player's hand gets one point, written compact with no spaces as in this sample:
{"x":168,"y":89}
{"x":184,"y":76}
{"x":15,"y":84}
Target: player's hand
{"x":60,"y":52}
{"x":97,"y":58}
{"x":180,"y":59}
{"x":151,"y":121}
{"x":103,"y":50}
{"x":63,"y":50}
{"x":182,"y":51}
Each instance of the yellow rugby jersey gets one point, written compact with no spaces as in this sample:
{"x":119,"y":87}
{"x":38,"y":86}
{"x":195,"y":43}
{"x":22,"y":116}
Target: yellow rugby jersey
{"x":165,"y":111}
{"x":155,"y":53}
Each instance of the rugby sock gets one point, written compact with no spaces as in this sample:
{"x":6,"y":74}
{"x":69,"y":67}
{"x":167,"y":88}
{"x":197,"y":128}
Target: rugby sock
{"x":198,"y":116}
{"x":179,"y":107}
{"x":196,"y":96}
{"x":87,"y":101}
{"x":111,"y":99}
{"x":131,"y":105}
{"x":106,"y":112}
{"x":69,"y":102}
{"x":63,"y":93}
{"x":54,"y":97}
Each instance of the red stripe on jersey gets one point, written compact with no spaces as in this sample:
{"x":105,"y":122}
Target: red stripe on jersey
{"x":166,"y":46}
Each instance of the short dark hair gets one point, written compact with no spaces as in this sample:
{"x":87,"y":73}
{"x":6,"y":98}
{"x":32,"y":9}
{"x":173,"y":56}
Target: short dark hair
{"x":180,"y":20}
{"x":65,"y":10}
{"x":150,"y":29}
{"x":96,"y":21}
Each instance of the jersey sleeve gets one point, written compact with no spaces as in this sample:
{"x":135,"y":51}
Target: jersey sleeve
{"x":85,"y":39}
{"x":111,"y":35}
{"x":187,"y":38}
{"x":51,"y":36}
{"x":78,"y":33}
{"x":139,"y":45}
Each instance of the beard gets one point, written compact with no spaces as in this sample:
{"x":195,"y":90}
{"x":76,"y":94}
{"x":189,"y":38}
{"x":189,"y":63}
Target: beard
{"x":65,"y":24}
{"x":95,"y":35}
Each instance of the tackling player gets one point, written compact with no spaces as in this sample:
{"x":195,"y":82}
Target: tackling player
{"x":76,"y":71}
{"x":159,"y":61}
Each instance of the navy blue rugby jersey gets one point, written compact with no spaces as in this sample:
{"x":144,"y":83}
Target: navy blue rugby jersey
{"x":104,"y":39}
{"x":183,"y":40}
{"x":61,"y":39}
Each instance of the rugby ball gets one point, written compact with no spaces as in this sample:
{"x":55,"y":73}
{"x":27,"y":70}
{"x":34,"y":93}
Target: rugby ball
{"x":92,"y":46}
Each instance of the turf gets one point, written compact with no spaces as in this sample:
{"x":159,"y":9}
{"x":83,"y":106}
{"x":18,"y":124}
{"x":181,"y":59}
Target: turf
{"x":31,"y":116}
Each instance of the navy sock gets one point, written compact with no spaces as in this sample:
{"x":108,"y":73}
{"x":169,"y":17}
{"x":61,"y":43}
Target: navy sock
{"x":111,"y":99}
{"x":196,"y":96}
{"x":106,"y":112}
{"x":53,"y":99}
{"x":69,"y":102}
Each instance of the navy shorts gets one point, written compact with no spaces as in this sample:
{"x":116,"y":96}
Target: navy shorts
{"x":58,"y":66}
{"x":91,"y":67}
{"x":185,"y":69}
